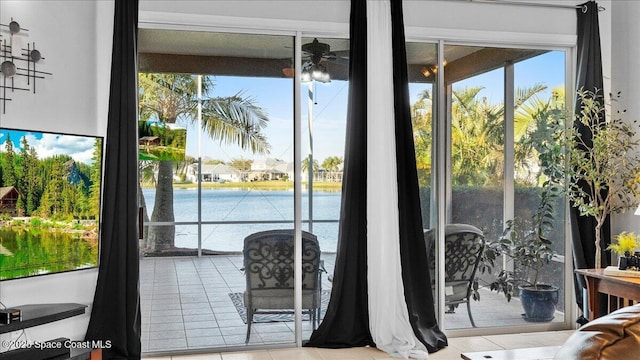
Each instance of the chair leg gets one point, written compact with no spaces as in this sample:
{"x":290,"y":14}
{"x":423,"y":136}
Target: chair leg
{"x":469,"y":312}
{"x":249,"y":321}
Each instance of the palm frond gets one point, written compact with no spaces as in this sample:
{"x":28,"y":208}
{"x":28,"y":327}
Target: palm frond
{"x":236,"y":120}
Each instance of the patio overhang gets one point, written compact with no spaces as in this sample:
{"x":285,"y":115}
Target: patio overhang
{"x":167,"y":51}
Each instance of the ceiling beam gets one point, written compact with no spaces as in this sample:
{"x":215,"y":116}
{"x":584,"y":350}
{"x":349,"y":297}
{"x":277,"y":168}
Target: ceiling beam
{"x":481,"y":61}
{"x":485,"y":60}
{"x":225,"y":65}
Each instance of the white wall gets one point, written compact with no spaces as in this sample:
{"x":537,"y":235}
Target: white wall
{"x":451,"y":20}
{"x":70,"y":35}
{"x":625,"y":77}
{"x":65,"y":33}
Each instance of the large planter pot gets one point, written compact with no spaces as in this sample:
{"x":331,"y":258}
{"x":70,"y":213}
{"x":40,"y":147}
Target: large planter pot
{"x":539,"y":304}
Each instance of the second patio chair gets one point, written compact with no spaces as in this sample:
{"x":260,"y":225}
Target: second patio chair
{"x":462,"y":251}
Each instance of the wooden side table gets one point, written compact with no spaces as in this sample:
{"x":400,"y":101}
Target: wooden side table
{"x":624,"y":289}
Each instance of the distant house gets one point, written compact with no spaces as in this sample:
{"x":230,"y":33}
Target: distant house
{"x":8,"y":200}
{"x":214,"y":173}
{"x":269,"y":169}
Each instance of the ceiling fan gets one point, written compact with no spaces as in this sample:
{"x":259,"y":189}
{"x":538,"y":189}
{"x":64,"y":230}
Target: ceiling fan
{"x":316,"y":57}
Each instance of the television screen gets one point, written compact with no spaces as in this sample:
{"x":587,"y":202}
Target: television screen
{"x":160,"y":141}
{"x":50,"y":187}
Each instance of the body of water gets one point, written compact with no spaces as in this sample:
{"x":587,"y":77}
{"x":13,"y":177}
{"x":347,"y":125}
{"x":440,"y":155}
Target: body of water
{"x":247,"y":205}
{"x":35,"y":251}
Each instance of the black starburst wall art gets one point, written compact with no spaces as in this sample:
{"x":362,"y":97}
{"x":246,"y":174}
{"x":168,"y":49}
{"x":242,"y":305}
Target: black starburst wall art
{"x":17,"y":62}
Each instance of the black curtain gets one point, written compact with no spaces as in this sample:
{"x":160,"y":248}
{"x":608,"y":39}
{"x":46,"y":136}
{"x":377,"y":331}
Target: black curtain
{"x":589,"y":77}
{"x":346,"y":322}
{"x":115,"y":315}
{"x":413,"y":252}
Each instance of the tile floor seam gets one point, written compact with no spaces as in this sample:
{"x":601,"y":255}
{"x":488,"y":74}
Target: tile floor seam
{"x":502,"y":347}
{"x":218,"y":274}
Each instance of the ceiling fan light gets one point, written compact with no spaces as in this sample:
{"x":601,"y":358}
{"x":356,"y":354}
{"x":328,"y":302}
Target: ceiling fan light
{"x":305,"y":76}
{"x":325,"y":78}
{"x":316,"y":74}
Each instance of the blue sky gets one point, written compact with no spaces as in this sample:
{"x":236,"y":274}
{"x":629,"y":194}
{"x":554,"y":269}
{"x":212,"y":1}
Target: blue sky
{"x":80,"y":148}
{"x":276,"y":96}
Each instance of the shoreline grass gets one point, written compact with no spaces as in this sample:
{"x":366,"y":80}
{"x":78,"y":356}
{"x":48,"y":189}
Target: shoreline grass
{"x":261,"y":185}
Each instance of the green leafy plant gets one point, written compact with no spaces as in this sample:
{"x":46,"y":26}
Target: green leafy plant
{"x":526,"y":242}
{"x":603,"y":175}
{"x":626,"y":244}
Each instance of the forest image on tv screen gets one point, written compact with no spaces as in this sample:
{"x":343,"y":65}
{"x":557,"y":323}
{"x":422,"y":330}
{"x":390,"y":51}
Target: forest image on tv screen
{"x":49,"y":202}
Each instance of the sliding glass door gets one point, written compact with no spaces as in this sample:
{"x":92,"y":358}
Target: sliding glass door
{"x":480,"y":118}
{"x":324,"y":92}
{"x":500,"y":103}
{"x":217,"y":164}
{"x":216,"y":158}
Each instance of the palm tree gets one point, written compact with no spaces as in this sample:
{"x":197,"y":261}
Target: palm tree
{"x":305,"y":165}
{"x":478,"y":134}
{"x":332,"y":164}
{"x":169,"y":98}
{"x":476,"y":137}
{"x":533,"y":132}
{"x":421,"y":120}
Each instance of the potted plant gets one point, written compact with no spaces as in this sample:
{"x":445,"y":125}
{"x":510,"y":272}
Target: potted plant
{"x":625,"y":247}
{"x":526,"y":242}
{"x":603,"y":176}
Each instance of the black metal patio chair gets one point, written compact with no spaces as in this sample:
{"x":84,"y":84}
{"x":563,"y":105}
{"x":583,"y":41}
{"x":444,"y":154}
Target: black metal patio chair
{"x":269,"y":271}
{"x":463,"y":248}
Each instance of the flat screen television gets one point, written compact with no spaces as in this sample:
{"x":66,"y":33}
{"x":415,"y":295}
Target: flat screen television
{"x":50,"y":191}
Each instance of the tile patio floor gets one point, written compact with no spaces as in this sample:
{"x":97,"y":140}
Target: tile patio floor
{"x":452,"y":352}
{"x":186,"y":306}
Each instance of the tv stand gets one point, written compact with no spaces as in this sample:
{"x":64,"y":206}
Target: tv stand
{"x":39,"y":314}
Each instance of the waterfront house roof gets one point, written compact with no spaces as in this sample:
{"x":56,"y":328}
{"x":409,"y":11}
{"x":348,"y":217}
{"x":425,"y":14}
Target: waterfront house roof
{"x":9,"y":199}
{"x":219,"y":169}
{"x":8,"y":191}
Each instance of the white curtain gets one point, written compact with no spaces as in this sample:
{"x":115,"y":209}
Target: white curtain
{"x":388,"y":314}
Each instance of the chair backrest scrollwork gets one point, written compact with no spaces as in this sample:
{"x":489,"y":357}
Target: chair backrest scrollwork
{"x":269,"y":260}
{"x":463,"y":247}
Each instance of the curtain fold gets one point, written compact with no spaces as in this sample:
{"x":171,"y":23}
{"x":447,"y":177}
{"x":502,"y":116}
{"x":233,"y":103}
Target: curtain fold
{"x":388,"y":313}
{"x":115,"y":314}
{"x":346,"y":322}
{"x":589,"y":77}
{"x":413,"y":252}
{"x":381,"y":262}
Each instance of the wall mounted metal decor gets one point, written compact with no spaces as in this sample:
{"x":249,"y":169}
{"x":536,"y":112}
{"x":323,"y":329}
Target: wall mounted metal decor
{"x":17,"y":61}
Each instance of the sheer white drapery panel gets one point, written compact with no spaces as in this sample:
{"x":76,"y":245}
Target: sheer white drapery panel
{"x":388,"y":315}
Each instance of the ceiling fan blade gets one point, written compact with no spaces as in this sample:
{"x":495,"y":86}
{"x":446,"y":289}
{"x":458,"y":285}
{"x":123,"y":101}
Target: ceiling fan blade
{"x":316,"y":47}
{"x":341,"y":53}
{"x":338,"y":61}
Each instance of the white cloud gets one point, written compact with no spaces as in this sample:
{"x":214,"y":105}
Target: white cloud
{"x":78,"y":147}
